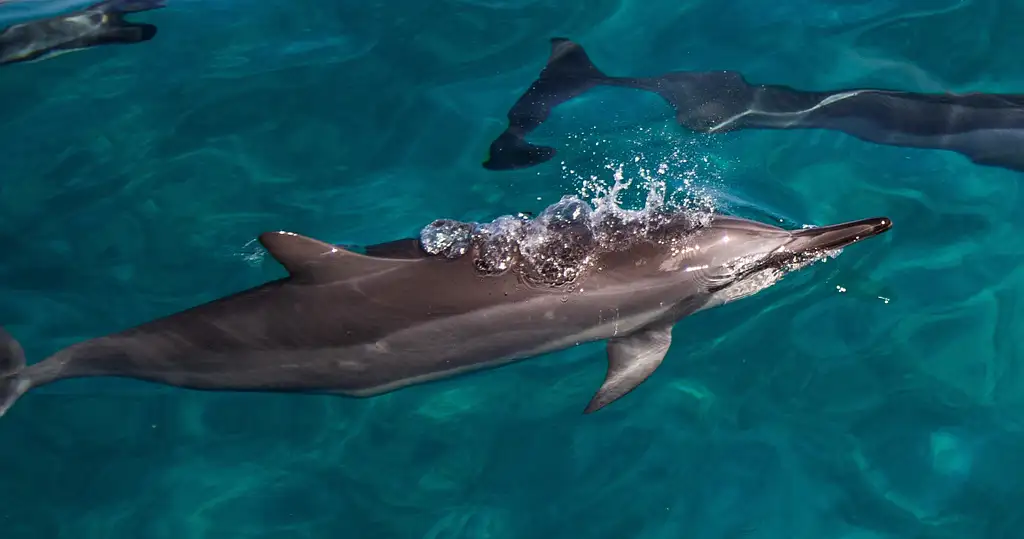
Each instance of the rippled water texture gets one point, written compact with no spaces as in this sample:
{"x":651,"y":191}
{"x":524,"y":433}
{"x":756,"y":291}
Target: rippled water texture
{"x":878,"y":396}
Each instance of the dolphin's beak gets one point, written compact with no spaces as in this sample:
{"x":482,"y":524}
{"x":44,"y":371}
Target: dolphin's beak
{"x":816,"y":240}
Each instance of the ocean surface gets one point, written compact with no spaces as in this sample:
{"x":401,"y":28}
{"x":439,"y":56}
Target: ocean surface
{"x":877,"y":396}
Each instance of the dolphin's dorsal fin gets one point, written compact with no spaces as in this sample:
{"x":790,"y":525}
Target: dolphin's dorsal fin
{"x":314,"y":261}
{"x":631,"y":360}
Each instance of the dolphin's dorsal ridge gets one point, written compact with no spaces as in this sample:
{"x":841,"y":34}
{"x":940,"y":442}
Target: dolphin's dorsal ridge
{"x":631,"y":360}
{"x":311,"y":260}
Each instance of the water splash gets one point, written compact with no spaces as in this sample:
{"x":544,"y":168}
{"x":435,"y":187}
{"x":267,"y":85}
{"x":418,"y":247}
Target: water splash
{"x":560,"y":245}
{"x":684,"y":178}
{"x":252,"y":253}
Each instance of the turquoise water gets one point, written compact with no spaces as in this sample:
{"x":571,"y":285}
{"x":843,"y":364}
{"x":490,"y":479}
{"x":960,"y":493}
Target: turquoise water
{"x":877,"y":396}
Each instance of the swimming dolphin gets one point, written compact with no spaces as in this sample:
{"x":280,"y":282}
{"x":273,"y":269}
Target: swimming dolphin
{"x":986,"y":128}
{"x":99,"y":24}
{"x":363,"y":324}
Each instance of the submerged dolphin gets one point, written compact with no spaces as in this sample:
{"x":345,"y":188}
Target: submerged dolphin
{"x":986,"y":128}
{"x":365,"y":324}
{"x":99,"y":24}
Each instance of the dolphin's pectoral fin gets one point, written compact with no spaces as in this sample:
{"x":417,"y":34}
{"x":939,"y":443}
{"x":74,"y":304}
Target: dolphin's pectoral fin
{"x":630,"y":361}
{"x":314,"y":261}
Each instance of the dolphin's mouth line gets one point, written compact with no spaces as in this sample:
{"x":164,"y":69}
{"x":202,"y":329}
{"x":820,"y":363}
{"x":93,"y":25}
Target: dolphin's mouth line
{"x":838,"y":236}
{"x":811,"y":245}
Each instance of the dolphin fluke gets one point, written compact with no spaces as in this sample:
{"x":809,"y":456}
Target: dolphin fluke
{"x":631,"y":360}
{"x":511,"y":151}
{"x":568,"y":73}
{"x":12,"y":363}
{"x":568,"y":60}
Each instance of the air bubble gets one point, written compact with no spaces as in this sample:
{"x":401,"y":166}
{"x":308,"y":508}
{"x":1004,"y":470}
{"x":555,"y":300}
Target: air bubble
{"x":447,"y":237}
{"x":498,"y":243}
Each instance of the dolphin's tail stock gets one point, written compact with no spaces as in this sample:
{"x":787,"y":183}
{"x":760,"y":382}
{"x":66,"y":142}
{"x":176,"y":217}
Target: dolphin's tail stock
{"x":13,"y":383}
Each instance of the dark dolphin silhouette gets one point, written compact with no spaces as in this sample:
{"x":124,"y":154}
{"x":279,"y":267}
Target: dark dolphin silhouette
{"x":99,"y":24}
{"x":365,"y":324}
{"x":986,"y":128}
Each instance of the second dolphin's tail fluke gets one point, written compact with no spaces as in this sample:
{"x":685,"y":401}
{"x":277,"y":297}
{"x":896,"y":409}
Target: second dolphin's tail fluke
{"x":13,"y":383}
{"x":568,"y":60}
{"x":569,"y":73}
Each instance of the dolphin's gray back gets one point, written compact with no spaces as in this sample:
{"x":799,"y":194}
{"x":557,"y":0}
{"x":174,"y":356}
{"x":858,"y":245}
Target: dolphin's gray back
{"x":421,"y":318}
{"x":408,"y":320}
{"x":260,"y":330}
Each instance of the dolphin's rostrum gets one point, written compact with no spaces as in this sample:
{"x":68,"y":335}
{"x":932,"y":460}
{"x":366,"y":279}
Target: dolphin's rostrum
{"x":461,"y":298}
